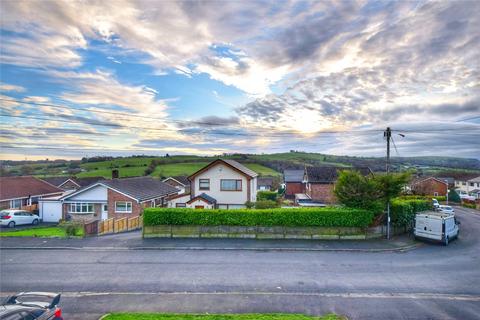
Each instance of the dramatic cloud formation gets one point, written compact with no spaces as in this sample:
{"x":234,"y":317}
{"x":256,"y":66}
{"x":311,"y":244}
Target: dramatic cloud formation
{"x":138,"y":76}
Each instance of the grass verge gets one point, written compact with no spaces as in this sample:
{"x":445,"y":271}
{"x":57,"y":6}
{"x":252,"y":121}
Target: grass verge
{"x":164,"y":316}
{"x":47,"y":232}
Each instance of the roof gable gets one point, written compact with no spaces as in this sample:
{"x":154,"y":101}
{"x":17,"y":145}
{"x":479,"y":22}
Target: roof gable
{"x":204,"y":197}
{"x":240,"y":168}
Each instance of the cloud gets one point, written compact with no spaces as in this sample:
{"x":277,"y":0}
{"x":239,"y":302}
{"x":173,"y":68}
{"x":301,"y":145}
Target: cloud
{"x":11,"y":87}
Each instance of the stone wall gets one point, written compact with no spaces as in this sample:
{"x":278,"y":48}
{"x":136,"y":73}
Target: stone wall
{"x":319,"y":233}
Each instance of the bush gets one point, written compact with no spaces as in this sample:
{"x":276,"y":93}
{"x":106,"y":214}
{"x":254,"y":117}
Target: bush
{"x":72,"y":229}
{"x":298,"y":217}
{"x":402,"y":211}
{"x":453,"y":196}
{"x":266,"y":204}
{"x":249,"y":204}
{"x":429,"y":198}
{"x":267,"y":195}
{"x":469,"y":205}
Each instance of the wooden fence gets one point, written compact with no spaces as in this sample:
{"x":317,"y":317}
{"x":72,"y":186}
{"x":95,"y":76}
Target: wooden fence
{"x":30,"y":208}
{"x":119,"y":225}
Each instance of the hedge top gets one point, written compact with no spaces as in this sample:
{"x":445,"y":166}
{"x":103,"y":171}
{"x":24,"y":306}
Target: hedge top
{"x":287,"y":217}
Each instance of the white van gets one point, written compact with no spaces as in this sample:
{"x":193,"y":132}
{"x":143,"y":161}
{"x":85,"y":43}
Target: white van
{"x":436,"y":226}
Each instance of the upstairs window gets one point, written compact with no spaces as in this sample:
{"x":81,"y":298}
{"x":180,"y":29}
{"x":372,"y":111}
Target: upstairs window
{"x":204,"y":184}
{"x":123,"y":207}
{"x":230,"y":185}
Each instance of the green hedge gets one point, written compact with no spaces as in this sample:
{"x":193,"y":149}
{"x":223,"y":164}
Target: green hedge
{"x":301,"y":217}
{"x":266,"y":204}
{"x":417,"y":197}
{"x":403,"y":211}
{"x":267,"y":195}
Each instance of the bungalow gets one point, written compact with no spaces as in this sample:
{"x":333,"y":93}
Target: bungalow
{"x":223,"y":184}
{"x":293,"y":182}
{"x":320,"y":182}
{"x":71,"y":183}
{"x":265,"y":183}
{"x":17,"y":192}
{"x":115,"y":198}
{"x":180,"y":182}
{"x":429,"y":186}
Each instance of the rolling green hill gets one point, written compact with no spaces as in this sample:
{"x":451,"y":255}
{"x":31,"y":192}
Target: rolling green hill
{"x":263,"y":164}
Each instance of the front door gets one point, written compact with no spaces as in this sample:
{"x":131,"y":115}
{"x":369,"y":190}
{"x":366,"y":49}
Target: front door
{"x":104,"y":211}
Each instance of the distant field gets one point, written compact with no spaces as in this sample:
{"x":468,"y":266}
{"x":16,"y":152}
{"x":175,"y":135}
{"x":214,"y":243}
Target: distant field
{"x":261,"y":170}
{"x":187,"y":168}
{"x":107,"y":173}
{"x":178,"y":169}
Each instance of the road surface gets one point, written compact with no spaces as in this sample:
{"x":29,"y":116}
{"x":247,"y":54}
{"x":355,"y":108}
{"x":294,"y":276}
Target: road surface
{"x":431,"y":282}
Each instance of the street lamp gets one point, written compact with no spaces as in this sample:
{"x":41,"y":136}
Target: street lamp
{"x":448,"y":190}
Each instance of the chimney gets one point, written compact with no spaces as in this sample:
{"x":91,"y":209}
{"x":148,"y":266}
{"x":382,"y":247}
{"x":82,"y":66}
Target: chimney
{"x":115,"y":174}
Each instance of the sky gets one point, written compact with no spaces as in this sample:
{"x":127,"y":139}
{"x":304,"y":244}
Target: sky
{"x":89,"y":78}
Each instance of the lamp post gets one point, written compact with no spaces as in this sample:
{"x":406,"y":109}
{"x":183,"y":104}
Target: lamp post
{"x":447,"y":191}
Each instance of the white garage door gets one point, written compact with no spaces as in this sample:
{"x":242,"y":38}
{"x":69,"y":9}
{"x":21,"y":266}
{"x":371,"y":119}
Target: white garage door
{"x":50,"y":211}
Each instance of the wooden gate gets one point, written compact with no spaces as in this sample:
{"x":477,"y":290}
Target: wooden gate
{"x":91,"y":228}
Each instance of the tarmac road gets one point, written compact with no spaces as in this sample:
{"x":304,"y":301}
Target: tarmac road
{"x":430,"y":282}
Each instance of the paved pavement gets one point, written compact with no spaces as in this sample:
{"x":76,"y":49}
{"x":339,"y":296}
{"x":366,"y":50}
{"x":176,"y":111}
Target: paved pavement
{"x":430,"y":282}
{"x":134,"y":241}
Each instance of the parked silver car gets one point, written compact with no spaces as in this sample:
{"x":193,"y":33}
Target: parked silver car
{"x":446,"y":209}
{"x":14,"y":217}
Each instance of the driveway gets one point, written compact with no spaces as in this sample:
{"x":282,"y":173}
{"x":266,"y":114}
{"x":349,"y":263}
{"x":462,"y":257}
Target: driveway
{"x":431,"y":282}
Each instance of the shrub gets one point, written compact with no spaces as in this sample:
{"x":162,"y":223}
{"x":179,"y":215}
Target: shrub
{"x":298,"y":217}
{"x":266,"y":204}
{"x":402,"y":211}
{"x":71,"y":228}
{"x":249,"y":204}
{"x":469,"y":205}
{"x":267,"y":195}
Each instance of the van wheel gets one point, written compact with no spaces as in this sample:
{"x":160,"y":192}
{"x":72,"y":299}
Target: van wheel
{"x":11,"y":224}
{"x":35,"y":222}
{"x":445,"y":242}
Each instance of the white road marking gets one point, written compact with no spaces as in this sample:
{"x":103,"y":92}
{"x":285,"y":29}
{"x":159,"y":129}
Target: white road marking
{"x":381,"y":295}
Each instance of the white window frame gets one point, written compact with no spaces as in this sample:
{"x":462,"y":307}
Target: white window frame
{"x":12,"y":204}
{"x":84,"y":208}
{"x":126,"y":206}
{"x":180,"y":205}
{"x":238,"y":182}
{"x":435,"y":194}
{"x":200,"y":184}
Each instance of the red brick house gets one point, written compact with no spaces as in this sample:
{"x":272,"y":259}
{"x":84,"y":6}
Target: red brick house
{"x":320,"y":182}
{"x":116,"y":198}
{"x":16,"y":192}
{"x":293,"y":182}
{"x":429,"y":186}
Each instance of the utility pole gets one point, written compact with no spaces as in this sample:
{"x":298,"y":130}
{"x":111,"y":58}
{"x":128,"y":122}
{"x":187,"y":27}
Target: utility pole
{"x":388,"y":134}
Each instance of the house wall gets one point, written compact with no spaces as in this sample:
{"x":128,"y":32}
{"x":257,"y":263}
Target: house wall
{"x":292,"y":188}
{"x":321,"y":192}
{"x":172,"y":203}
{"x":6,"y":204}
{"x":98,"y":193}
{"x":467,"y":185}
{"x":222,"y":171}
{"x":179,"y":186}
{"x":69,"y":185}
{"x":200,"y":203}
{"x":430,"y":187}
{"x":137,"y":208}
{"x":97,"y":215}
